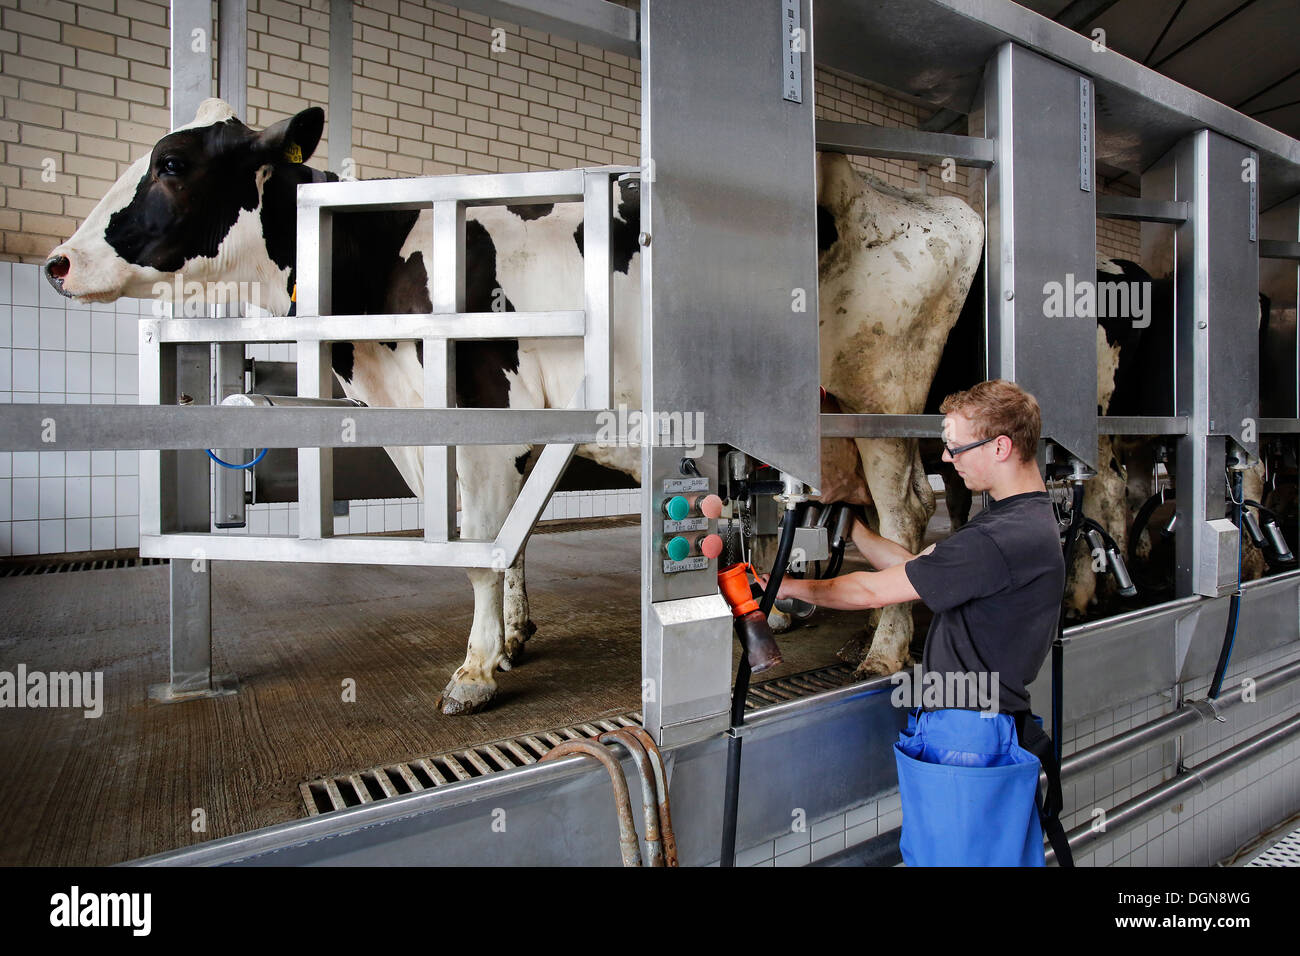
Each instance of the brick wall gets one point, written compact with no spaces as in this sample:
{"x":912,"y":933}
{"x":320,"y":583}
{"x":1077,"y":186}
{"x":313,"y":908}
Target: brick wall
{"x":846,"y":99}
{"x":83,"y":91}
{"x":435,"y":90}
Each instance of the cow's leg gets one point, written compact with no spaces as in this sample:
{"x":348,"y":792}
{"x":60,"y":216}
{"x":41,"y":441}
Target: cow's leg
{"x":956,"y":496}
{"x":1253,"y":563}
{"x":519,"y":626}
{"x":904,"y":501}
{"x":489,"y":484}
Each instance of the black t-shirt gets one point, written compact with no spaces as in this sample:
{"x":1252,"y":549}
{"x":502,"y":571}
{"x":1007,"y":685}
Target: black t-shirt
{"x":995,"y":588}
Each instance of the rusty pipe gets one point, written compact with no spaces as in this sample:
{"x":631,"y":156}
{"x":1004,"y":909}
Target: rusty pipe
{"x":628,"y":843}
{"x":661,"y":781}
{"x":649,"y":795}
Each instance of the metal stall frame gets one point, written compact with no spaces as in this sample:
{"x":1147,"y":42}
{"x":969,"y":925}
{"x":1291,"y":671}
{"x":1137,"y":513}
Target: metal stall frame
{"x":837,"y":742}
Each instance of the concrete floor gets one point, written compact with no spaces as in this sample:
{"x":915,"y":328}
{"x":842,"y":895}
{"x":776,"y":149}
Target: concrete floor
{"x":146,"y":777}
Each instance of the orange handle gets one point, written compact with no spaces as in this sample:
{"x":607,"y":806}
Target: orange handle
{"x":733,"y":581}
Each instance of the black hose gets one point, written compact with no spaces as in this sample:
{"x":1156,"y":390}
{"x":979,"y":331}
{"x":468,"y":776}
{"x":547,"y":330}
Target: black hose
{"x":741,"y":691}
{"x":1234,"y":605}
{"x":1058,"y":646}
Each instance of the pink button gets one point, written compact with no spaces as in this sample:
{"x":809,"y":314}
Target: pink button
{"x":711,"y":546}
{"x":711,"y":507}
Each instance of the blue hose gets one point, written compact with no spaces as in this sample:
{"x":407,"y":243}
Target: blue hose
{"x":226,"y":464}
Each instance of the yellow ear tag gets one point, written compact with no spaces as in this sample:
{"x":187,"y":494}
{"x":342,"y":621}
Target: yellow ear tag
{"x":294,"y":296}
{"x":293,"y":153}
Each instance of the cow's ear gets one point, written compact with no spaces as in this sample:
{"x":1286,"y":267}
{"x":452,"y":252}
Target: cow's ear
{"x":293,"y":139}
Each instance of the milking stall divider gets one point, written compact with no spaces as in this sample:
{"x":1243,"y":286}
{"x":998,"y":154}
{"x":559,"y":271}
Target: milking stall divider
{"x":728,"y":214}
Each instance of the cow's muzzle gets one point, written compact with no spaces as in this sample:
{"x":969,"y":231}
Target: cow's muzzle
{"x":56,"y":270}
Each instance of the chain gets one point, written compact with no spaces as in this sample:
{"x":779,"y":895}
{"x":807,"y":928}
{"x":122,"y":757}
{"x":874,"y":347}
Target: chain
{"x":746,"y":532}
{"x":729,"y":549}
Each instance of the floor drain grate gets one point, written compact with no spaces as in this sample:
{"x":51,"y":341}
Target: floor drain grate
{"x":17,"y":569}
{"x":428,"y":773}
{"x":1285,"y":852}
{"x":778,"y":690}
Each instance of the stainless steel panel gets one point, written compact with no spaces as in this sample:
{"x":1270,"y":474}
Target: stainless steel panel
{"x":232,"y":55}
{"x":888,"y":142}
{"x":1031,"y":108}
{"x":595,"y":22}
{"x":1144,"y":652}
{"x":1231,"y":263}
{"x":686,"y":669}
{"x":354,"y":328}
{"x":881,"y":426}
{"x":229,"y":504}
{"x":412,"y":552}
{"x":187,"y":494}
{"x":666,"y":466}
{"x":481,"y":189}
{"x":1216,"y":574}
{"x":1140,"y":210}
{"x":191,"y":626}
{"x":1269,"y":619}
{"x":1279,"y":249}
{"x":731,"y":206}
{"x":340,"y":84}
{"x":1116,"y":660}
{"x":597,"y":291}
{"x":1140,"y":425}
{"x":937,"y":50}
{"x":84,"y":427}
{"x":1278,"y":426}
{"x":440,"y":460}
{"x":191,"y":69}
{"x":316,"y":464}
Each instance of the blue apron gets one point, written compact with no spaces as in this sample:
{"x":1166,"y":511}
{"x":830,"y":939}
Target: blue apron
{"x":968,"y":791}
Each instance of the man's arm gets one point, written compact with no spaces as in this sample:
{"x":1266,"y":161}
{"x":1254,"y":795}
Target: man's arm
{"x":880,"y":553}
{"x":855,"y":591}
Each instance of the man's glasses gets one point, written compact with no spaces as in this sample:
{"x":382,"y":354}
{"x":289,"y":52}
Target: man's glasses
{"x":954,"y":452}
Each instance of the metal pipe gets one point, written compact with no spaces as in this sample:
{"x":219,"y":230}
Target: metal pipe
{"x":1196,"y":779}
{"x":1171,"y":725}
{"x":628,"y":842}
{"x":661,"y":784}
{"x":290,"y":401}
{"x":649,"y":796}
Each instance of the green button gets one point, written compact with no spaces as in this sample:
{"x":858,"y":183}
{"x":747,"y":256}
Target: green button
{"x":678,"y":508}
{"x":679,"y":549}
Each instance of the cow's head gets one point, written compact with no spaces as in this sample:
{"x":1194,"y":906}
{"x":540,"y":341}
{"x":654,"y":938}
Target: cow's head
{"x":198,"y":207}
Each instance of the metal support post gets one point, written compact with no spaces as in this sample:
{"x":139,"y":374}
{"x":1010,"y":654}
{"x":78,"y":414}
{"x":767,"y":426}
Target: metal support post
{"x":1216,"y":273}
{"x":1041,"y":116}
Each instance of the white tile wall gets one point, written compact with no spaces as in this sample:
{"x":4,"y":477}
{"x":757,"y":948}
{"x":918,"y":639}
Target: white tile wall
{"x":53,"y":350}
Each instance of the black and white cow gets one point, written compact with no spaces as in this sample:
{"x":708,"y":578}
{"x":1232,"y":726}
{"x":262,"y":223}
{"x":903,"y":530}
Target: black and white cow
{"x":215,"y":202}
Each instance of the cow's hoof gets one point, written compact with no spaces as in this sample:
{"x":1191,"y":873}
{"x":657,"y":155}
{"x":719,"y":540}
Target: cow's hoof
{"x":779,"y":621}
{"x":875,"y":667}
{"x":854,"y":649}
{"x":514,"y":654}
{"x":461,"y":698}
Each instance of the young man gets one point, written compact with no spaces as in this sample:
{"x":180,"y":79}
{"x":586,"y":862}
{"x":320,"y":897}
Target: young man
{"x":995,"y":587}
